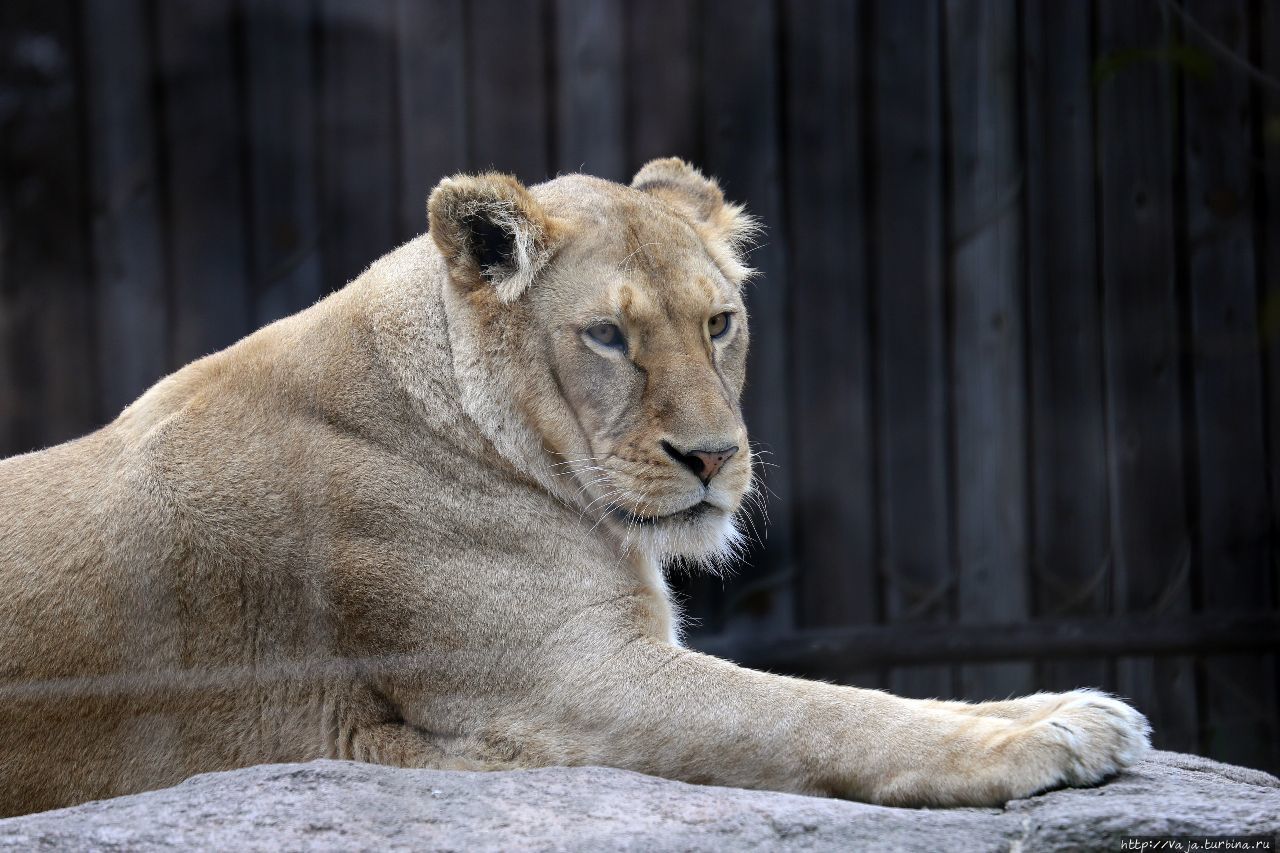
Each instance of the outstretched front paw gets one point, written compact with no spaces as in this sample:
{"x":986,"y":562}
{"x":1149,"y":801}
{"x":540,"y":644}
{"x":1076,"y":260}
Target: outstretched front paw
{"x":986,"y":755}
{"x":1081,"y":739}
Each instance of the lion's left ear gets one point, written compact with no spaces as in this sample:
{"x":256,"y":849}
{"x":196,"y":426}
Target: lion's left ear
{"x":727,"y":228}
{"x":491,"y":232}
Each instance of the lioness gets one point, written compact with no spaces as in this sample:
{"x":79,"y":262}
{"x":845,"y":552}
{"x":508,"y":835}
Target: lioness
{"x":424,"y":523}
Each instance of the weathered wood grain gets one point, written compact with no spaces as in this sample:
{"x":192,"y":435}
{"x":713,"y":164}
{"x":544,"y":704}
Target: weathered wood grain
{"x":663,"y":81}
{"x":200,"y":145}
{"x":1070,"y":560}
{"x":1235,"y":553}
{"x":358,"y":142}
{"x":589,"y":88}
{"x":1267,"y":225}
{"x":431,"y":47}
{"x":1151,"y":543}
{"x":913,"y":482}
{"x":280,"y":69}
{"x":1239,"y":634}
{"x":988,"y":328}
{"x":47,"y":384}
{"x":125,"y":205}
{"x":508,"y":53}
{"x":834,"y":459}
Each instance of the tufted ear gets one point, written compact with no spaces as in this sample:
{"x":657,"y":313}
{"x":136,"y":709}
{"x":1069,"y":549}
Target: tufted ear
{"x":490,"y":229}
{"x":728,"y":228}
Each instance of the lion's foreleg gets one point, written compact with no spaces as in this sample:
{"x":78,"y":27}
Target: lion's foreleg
{"x":675,"y":713}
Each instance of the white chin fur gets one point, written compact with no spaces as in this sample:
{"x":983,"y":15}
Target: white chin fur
{"x":709,"y":543}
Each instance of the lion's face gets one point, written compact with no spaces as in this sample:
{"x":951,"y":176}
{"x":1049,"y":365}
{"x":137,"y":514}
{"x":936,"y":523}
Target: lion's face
{"x":647,"y":338}
{"x":632,"y":307}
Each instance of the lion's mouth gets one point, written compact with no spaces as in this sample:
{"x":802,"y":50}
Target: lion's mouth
{"x":691,"y":513}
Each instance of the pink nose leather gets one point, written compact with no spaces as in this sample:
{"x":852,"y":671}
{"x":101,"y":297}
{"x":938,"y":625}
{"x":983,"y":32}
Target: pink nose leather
{"x":712,"y":461}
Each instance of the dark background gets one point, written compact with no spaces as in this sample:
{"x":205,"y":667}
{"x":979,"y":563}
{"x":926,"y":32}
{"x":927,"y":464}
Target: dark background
{"x":1015,"y":343}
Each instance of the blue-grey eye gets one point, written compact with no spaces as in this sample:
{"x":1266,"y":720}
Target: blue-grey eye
{"x":607,"y":334}
{"x":718,"y":325}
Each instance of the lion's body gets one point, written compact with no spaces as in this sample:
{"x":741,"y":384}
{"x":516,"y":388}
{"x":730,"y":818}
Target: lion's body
{"x":346,"y":536}
{"x":182,"y":579}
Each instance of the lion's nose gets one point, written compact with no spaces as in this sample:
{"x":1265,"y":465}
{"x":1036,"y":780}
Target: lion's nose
{"x":705,"y":464}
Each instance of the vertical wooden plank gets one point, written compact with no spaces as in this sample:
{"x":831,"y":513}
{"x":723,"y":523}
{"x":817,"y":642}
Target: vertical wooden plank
{"x":124,"y":200}
{"x":830,"y":348}
{"x":1267,"y":180}
{"x":1070,"y":540}
{"x":740,"y":73}
{"x":912,"y":487}
{"x":284,"y":206}
{"x":46,"y":301}
{"x":1266,"y":161}
{"x":433,"y":103}
{"x":589,"y":92}
{"x":358,"y":136}
{"x":988,"y":355}
{"x":1235,"y":553}
{"x":1151,"y":544}
{"x":508,"y":69}
{"x":663,"y":85}
{"x":202,"y":147}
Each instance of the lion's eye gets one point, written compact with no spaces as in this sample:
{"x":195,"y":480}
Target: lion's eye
{"x":718,"y":325}
{"x":607,"y":334}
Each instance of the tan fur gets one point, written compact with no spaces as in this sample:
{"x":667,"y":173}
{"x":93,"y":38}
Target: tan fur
{"x":394,"y":528}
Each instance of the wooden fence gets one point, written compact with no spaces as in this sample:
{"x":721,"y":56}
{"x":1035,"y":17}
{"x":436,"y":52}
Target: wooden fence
{"x":1014,"y":346}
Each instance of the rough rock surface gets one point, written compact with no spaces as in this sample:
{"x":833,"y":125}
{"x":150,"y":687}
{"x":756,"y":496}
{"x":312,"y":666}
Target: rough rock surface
{"x":337,"y":805}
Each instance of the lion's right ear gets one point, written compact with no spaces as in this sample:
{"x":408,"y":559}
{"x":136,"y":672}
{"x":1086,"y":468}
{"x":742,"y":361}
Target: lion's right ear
{"x":491,"y":231}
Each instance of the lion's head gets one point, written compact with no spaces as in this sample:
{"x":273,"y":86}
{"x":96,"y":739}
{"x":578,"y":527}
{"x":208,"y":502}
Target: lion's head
{"x":612,"y":319}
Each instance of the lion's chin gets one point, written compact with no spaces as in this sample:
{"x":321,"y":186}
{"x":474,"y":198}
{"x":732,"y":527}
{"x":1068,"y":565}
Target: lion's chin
{"x":702,"y":537}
